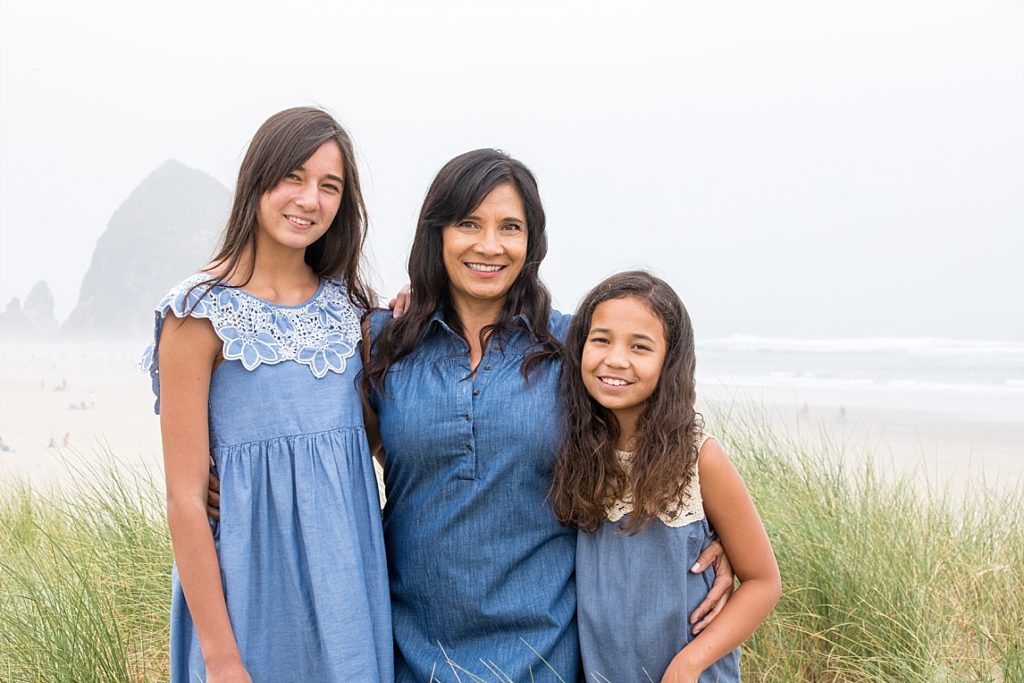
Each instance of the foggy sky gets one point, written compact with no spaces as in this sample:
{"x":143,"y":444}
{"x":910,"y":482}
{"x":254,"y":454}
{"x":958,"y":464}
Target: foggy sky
{"x":825,"y":169}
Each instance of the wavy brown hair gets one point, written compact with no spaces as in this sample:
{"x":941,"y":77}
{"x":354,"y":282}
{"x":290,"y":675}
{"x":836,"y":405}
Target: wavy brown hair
{"x":281,"y":145}
{"x":458,"y":189}
{"x":588,"y":475}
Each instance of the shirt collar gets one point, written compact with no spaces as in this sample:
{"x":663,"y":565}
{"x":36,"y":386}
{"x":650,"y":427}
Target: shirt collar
{"x":518,"y":320}
{"x":437,"y":320}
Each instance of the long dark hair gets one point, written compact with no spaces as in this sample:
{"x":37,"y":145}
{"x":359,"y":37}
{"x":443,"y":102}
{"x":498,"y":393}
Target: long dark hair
{"x":281,"y":145}
{"x":588,"y":474}
{"x":459,"y":188}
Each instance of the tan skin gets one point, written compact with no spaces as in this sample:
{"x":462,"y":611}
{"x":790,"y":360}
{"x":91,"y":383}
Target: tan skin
{"x":292,"y":215}
{"x":621,"y":366}
{"x":495,"y":234}
{"x":188,"y":351}
{"x":731,"y":512}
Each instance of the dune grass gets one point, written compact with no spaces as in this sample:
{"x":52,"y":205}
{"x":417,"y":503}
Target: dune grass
{"x":85,"y":580}
{"x":882,"y":581}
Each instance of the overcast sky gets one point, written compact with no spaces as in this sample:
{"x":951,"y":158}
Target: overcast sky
{"x":828,"y":169}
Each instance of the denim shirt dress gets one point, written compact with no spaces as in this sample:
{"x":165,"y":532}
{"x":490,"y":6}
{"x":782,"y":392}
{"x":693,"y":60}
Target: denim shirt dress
{"x":481,"y":571}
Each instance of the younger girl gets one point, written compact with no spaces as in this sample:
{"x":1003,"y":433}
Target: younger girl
{"x":254,"y":359}
{"x":646,"y":487}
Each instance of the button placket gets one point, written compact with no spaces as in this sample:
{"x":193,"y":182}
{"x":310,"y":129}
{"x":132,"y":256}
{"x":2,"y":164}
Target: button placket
{"x":464,"y":427}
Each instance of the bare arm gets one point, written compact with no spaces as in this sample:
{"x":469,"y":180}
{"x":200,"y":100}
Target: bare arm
{"x":188,"y":350}
{"x":730,"y":510}
{"x":372,"y":423}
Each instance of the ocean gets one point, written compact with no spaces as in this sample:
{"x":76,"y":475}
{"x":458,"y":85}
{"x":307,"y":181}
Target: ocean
{"x":970,"y":379}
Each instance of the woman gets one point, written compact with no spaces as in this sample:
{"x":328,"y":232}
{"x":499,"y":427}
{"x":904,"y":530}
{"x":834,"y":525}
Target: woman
{"x":253,"y":359}
{"x":465,"y":389}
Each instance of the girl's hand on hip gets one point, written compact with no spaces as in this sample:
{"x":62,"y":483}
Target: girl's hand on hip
{"x":678,"y":672}
{"x":230,"y":672}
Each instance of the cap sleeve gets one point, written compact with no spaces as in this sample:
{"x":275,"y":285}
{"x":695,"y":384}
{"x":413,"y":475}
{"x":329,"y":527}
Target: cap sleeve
{"x":189,"y":298}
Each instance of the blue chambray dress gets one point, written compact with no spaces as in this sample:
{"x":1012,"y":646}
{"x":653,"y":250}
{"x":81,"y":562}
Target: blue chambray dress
{"x":636,"y":592}
{"x":481,"y":571}
{"x":299,"y":539}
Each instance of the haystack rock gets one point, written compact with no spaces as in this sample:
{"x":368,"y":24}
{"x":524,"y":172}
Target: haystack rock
{"x":165,"y":230}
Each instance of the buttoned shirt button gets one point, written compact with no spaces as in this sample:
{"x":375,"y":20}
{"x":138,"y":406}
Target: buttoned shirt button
{"x":487,"y":367}
{"x":476,"y":392}
{"x":469,"y":447}
{"x":465,"y":417}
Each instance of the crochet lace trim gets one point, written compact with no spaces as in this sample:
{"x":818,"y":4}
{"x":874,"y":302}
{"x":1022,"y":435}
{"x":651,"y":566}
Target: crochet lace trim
{"x":322,"y":333}
{"x":687,"y":510}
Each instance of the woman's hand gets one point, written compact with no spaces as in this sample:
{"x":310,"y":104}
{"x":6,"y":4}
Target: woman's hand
{"x":213,"y":495}
{"x":400,"y":303}
{"x":721,"y":589}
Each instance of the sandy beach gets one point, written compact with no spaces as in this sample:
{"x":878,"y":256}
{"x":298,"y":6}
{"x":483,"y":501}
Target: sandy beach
{"x":86,"y":400}
{"x":955,"y":456}
{"x":78,"y":402}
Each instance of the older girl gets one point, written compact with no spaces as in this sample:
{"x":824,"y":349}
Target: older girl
{"x":254,"y":358}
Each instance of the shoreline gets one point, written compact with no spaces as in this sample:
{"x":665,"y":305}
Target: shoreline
{"x":955,"y":456}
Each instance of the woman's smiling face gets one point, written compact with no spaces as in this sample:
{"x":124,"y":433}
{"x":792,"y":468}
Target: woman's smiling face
{"x":484,"y":252}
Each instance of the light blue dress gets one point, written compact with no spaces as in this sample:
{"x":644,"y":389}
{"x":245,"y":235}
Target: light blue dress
{"x":299,"y":539}
{"x":635,"y":593}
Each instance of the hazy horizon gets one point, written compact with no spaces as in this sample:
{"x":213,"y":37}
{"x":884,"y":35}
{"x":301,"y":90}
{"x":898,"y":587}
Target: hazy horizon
{"x":799,"y":169}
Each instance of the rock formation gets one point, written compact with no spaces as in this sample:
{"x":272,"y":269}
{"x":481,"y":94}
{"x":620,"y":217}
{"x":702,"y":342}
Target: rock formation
{"x":33,"y":320}
{"x":165,"y":230}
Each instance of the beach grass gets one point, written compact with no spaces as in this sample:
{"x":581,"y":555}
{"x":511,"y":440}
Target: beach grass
{"x":883,"y":579}
{"x":85,"y":579}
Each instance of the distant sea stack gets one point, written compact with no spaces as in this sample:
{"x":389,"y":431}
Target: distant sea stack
{"x":165,"y":230}
{"x":32,"y":320}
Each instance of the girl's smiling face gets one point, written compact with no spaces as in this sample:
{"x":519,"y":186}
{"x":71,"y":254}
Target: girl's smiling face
{"x":300,"y":208}
{"x":622,"y":357}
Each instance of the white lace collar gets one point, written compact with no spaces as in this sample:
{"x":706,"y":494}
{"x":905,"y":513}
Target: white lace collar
{"x":687,"y":510}
{"x":322,"y":333}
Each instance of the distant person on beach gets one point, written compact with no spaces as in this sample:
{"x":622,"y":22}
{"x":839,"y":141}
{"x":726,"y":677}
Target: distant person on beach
{"x":465,"y":389}
{"x":649,"y":490}
{"x":254,"y":359}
